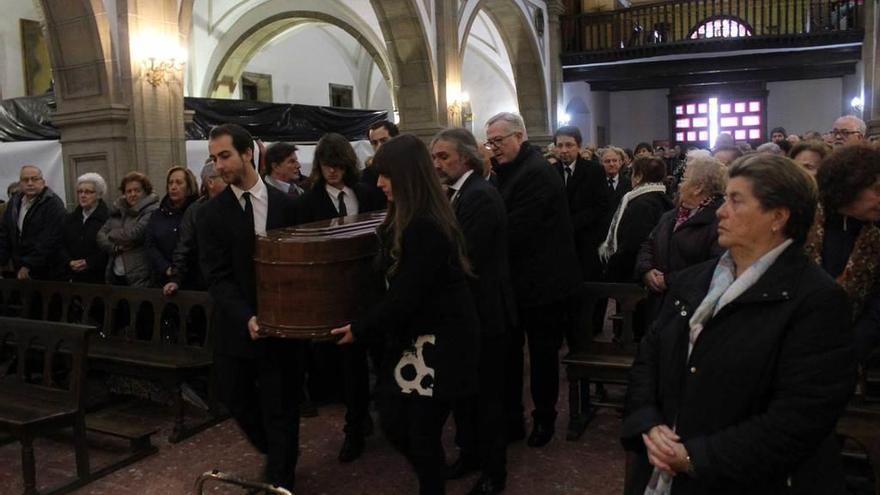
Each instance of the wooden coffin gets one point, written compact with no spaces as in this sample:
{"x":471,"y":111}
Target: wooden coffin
{"x":315,"y":277}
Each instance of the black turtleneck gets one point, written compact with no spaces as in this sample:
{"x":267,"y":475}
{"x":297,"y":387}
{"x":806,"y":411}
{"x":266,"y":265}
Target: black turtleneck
{"x":841,"y":233}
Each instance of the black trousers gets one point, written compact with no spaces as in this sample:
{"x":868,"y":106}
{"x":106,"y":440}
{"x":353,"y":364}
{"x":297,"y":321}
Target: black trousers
{"x":263,"y":394}
{"x":356,"y":388}
{"x":478,"y":432}
{"x":545,"y":327}
{"x":413,"y":425}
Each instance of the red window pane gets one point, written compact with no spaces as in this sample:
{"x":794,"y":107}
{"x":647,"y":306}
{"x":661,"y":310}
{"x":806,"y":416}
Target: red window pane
{"x":704,"y":135}
{"x":683,"y":123}
{"x":703,"y":108}
{"x":679,"y":136}
{"x":754,"y":106}
{"x":739,"y":134}
{"x":700,"y":122}
{"x":679,"y":110}
{"x":729,"y":121}
{"x":754,"y":133}
{"x":751,"y":120}
{"x":725,"y":108}
{"x":739,"y":107}
{"x":692,"y":136}
{"x":691,"y":109}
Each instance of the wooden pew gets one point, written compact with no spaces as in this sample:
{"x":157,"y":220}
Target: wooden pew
{"x":603,"y":362}
{"x":142,"y":333}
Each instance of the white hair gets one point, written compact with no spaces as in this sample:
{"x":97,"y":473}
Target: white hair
{"x":96,"y":179}
{"x":860,"y":124}
{"x":514,"y":122}
{"x":697,"y":154}
{"x":707,"y":172}
{"x":772,"y":148}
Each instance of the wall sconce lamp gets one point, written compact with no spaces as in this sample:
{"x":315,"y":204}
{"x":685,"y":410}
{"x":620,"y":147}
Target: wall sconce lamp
{"x":159,"y":55}
{"x":460,"y":108}
{"x":856,"y":104}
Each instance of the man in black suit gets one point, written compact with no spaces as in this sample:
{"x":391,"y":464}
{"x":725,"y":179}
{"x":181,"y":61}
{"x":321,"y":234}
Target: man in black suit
{"x":259,"y":379}
{"x":543,"y":267}
{"x":616,"y":182}
{"x":380,"y":132}
{"x":480,"y":212}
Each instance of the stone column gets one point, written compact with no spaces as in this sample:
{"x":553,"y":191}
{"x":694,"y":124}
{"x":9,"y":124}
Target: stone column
{"x":555,"y":9}
{"x":871,"y":60}
{"x":448,"y":61}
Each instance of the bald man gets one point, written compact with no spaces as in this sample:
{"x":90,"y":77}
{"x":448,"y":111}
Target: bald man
{"x":32,"y":230}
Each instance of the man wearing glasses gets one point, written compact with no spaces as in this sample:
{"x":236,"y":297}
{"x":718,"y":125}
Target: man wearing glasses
{"x":848,"y":129}
{"x":32,"y":230}
{"x":543,"y":267}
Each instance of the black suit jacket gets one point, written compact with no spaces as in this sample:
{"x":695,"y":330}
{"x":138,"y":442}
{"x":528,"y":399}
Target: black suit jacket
{"x":543,"y":264}
{"x":483,"y":220}
{"x":624,"y":185}
{"x":226,"y":255}
{"x":317,"y":205}
{"x":589,"y":203}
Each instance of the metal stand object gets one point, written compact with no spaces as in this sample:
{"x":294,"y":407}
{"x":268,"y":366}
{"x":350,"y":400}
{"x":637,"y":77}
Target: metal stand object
{"x":254,"y":486}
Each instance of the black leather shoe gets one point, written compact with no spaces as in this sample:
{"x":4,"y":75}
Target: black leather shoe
{"x":487,"y":485}
{"x":516,"y":431}
{"x":352,"y":448}
{"x":462,"y":467}
{"x":541,"y":435}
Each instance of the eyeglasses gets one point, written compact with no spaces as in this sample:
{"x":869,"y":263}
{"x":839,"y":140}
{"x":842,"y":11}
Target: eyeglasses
{"x":496,"y":142}
{"x":85,"y":191}
{"x":30,"y":179}
{"x":843,"y":132}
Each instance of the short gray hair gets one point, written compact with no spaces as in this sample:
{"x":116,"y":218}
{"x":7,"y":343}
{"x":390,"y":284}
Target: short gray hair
{"x":708,"y":173}
{"x":514,"y":122}
{"x":613,"y":149}
{"x":207,"y":171}
{"x":770,"y":148}
{"x":860,"y":124}
{"x":96,"y":179}
{"x":465,"y":145}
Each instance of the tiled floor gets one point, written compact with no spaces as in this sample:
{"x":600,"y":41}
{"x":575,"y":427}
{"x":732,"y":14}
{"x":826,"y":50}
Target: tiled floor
{"x":591,"y":465}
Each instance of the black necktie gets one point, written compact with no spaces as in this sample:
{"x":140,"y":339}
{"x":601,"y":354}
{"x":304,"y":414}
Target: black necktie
{"x":610,"y":183}
{"x":248,"y":212}
{"x":343,"y":211}
{"x":450,"y":192}
{"x":567,"y":173}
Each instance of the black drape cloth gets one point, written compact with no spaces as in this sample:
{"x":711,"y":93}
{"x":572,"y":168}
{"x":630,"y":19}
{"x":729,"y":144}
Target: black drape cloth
{"x":30,"y":119}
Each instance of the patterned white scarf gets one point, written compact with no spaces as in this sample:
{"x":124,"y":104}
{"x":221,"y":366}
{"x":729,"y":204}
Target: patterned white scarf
{"x":724,"y":288}
{"x":609,"y":247}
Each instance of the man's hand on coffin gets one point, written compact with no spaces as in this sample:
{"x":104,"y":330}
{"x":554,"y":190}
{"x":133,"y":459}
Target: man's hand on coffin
{"x":254,"y":329}
{"x":346,"y":337}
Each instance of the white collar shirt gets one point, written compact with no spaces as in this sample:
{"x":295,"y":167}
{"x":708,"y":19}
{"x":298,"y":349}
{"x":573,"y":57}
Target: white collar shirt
{"x":458,"y":184}
{"x":259,"y":201}
{"x":350,"y":199}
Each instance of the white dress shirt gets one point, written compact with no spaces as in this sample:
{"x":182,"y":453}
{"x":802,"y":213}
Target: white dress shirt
{"x":566,"y":178}
{"x":350,"y":199}
{"x":259,"y":201}
{"x":457,"y":186}
{"x":23,"y":209}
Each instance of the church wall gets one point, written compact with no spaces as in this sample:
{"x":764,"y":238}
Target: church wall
{"x":11,"y":60}
{"x":802,"y":106}
{"x":637,"y":116}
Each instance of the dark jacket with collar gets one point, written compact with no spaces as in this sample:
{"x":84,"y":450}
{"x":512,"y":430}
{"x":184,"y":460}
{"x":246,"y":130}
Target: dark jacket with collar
{"x":764,"y":386}
{"x":480,"y":212}
{"x":588,"y":203}
{"x":543,"y":264}
{"x":81,"y":243}
{"x":124,"y":235}
{"x":635,"y":225}
{"x":39,"y":244}
{"x":316,"y":204}
{"x":185,"y":258}
{"x":670,"y":250}
{"x":163,"y":234}
{"x":226,"y":256}
{"x":428,"y":295}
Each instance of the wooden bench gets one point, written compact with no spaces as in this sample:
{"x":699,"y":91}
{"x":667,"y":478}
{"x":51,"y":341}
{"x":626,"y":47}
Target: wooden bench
{"x":141,"y":333}
{"x":602,"y":362}
{"x":861,"y":423}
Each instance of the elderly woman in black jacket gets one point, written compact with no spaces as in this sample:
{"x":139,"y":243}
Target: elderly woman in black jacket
{"x":738,"y":385}
{"x":687,"y":235}
{"x":85,"y":260}
{"x":427,"y":317}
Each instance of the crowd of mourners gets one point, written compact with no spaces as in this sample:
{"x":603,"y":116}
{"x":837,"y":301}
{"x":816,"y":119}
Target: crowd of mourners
{"x":762,"y":267}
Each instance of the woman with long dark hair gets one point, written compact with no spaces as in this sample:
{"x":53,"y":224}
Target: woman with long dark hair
{"x":427,"y":317}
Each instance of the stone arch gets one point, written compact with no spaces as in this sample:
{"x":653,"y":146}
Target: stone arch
{"x":411,"y":63}
{"x":78,"y":36}
{"x":230,"y":65}
{"x":525,"y":58}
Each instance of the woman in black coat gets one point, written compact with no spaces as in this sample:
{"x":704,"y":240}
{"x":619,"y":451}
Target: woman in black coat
{"x":163,"y":229}
{"x":739,"y":384}
{"x":427,"y":317}
{"x":85,"y":260}
{"x":334,"y":176}
{"x":686,"y":235}
{"x":635,"y":218}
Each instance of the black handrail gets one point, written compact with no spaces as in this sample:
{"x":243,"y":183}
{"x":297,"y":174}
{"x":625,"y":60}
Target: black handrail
{"x":697,"y":21}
